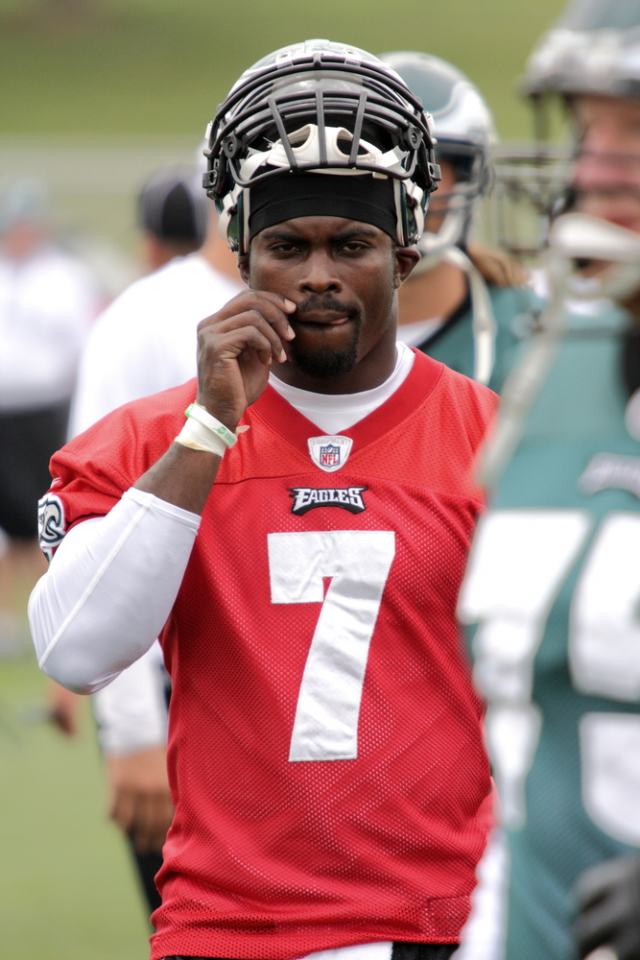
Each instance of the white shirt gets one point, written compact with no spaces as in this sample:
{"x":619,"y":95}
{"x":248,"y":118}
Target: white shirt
{"x":47,"y":302}
{"x":145,"y":341}
{"x":413,"y":334}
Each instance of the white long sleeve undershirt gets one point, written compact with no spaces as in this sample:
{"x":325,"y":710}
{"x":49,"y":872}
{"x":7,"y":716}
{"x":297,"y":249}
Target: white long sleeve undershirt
{"x":110,"y":589}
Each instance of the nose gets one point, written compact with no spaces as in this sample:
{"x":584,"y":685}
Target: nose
{"x":319,"y":273}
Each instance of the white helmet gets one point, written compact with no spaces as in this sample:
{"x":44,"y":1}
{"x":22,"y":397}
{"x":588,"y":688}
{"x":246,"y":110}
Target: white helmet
{"x":593,"y":48}
{"x":465,"y":135}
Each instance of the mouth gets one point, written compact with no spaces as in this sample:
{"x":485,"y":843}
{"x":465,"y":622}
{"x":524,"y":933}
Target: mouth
{"x":321,"y":318}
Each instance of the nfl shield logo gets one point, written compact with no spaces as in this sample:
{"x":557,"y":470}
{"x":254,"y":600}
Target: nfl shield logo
{"x":330,"y":453}
{"x":330,"y":456}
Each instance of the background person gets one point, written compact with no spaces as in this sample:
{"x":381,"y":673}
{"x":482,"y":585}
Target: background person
{"x":553,"y":579}
{"x":460,"y":303}
{"x":172,"y":216}
{"x":463,"y":301}
{"x":48,"y":299}
{"x":173,"y":213}
{"x":254,"y":863}
{"x":143,"y":341}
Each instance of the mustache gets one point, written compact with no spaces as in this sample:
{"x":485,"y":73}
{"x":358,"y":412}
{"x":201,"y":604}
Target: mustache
{"x":326,"y":303}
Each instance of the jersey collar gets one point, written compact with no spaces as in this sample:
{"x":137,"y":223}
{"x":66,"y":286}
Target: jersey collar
{"x":294,"y":428}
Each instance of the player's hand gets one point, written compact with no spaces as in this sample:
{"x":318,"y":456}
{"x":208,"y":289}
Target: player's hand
{"x":139,"y":799}
{"x":63,"y":708}
{"x":608,"y":898}
{"x":236,"y":347}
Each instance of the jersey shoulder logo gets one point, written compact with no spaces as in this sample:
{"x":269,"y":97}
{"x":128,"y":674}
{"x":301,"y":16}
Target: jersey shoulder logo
{"x":330,"y":453}
{"x":51,"y":524}
{"x":307,"y":498}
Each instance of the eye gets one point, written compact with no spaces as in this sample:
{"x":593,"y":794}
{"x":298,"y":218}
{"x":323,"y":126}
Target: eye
{"x":284,"y":246}
{"x":354,"y":246}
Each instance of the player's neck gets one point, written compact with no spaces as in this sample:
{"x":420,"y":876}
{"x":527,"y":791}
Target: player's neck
{"x":436,"y":293}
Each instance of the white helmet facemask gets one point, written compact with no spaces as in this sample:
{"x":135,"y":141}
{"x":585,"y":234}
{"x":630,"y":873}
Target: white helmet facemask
{"x":309,"y":150}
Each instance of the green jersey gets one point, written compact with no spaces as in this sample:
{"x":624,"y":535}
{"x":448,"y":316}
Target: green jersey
{"x":554,"y":584}
{"x":453,"y":343}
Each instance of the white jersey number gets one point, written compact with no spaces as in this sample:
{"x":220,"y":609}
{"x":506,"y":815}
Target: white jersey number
{"x":358,"y":563}
{"x":519,"y":561}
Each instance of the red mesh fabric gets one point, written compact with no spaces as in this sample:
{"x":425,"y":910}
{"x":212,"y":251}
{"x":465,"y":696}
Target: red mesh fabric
{"x":269,"y":858}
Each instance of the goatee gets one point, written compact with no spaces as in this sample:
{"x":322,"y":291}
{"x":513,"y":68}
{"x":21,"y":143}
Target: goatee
{"x":325,"y":362}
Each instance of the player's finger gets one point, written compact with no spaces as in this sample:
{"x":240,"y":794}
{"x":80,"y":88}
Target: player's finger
{"x":249,"y":317}
{"x":594,"y":928}
{"x":598,"y":881}
{"x":229,"y":346}
{"x":163,"y":815}
{"x":272,"y":306}
{"x":282,"y":306}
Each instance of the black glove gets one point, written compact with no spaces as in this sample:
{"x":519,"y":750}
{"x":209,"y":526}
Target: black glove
{"x":608,"y":899}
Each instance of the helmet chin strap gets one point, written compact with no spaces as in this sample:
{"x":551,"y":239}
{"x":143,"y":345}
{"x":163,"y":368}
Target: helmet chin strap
{"x":484,"y":323}
{"x":441,"y":248}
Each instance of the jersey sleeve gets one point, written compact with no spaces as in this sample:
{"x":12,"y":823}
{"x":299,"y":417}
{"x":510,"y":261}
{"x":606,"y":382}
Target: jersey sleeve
{"x":91,"y":473}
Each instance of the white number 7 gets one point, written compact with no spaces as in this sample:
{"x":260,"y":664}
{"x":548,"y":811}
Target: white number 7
{"x":358,"y":563}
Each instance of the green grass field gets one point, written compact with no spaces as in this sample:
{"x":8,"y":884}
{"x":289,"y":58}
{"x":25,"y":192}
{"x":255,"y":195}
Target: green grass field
{"x":67,"y":891}
{"x":159,"y":67}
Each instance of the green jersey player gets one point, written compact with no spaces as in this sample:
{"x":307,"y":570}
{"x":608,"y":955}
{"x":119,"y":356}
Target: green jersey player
{"x":466,"y":305}
{"x":554,"y":579}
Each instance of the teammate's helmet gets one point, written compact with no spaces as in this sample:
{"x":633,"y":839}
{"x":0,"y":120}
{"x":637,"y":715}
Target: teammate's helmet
{"x":320,"y":107}
{"x":593,"y":48}
{"x":464,"y":129}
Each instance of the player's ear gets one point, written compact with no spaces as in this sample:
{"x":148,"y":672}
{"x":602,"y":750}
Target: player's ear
{"x":406,"y":259}
{"x":243,"y":266}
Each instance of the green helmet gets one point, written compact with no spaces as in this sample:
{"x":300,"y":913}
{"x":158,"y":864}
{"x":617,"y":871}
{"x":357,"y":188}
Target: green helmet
{"x":464,"y":129}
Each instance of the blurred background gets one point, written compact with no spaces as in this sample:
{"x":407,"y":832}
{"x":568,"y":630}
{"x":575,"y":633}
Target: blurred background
{"x":97,"y":96}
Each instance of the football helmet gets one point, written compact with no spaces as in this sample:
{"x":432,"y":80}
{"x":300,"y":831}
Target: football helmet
{"x":594,"y":47}
{"x":325,"y":107}
{"x":465,"y":134}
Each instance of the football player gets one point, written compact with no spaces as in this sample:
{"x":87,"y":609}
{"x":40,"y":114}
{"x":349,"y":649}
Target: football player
{"x":48,"y":301}
{"x":460,"y":303}
{"x":554,"y":578}
{"x":298,"y":544}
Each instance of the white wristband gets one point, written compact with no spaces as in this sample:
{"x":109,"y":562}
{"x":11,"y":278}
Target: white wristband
{"x":204,"y":432}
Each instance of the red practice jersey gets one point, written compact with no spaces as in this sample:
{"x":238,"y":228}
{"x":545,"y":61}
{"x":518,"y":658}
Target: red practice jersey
{"x":325,"y":746}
